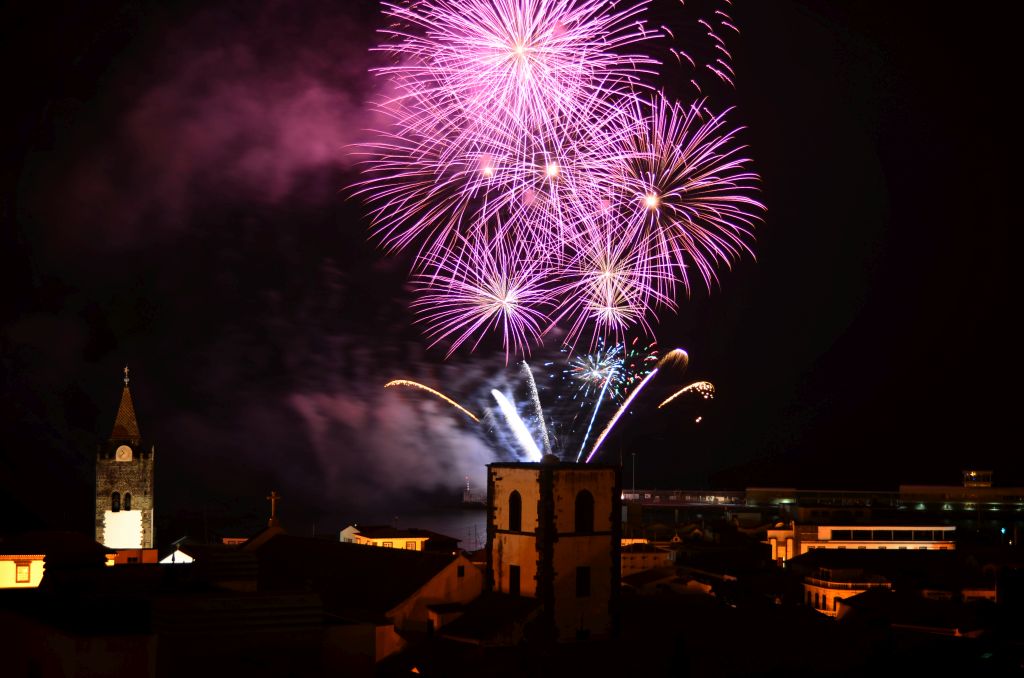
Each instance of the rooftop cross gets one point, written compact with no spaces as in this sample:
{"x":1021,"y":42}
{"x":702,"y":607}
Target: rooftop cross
{"x":273,"y":498}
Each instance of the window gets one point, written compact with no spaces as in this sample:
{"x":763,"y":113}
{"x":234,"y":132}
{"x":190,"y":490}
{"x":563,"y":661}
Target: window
{"x":582,"y":582}
{"x":410,"y":545}
{"x":127,"y":501}
{"x":515,"y":512}
{"x":133,"y":559}
{"x":389,"y":544}
{"x":460,"y":571}
{"x":513,"y":580}
{"x":22,"y":573}
{"x":115,"y":502}
{"x":584,"y":512}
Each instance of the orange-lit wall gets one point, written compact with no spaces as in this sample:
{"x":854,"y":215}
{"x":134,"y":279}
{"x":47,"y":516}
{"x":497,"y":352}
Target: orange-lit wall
{"x":396,"y":542}
{"x":641,"y":562}
{"x":9,"y":571}
{"x":446,"y":587}
{"x":826,"y":599}
{"x":351,"y":535}
{"x":141,"y":556}
{"x":516,"y":549}
{"x":594,"y":550}
{"x":785,"y":543}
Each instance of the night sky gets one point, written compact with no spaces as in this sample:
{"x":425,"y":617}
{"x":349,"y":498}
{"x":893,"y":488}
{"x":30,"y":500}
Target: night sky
{"x":174,"y":198}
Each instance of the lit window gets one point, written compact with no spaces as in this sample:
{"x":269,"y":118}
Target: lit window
{"x":410,"y":545}
{"x":389,"y":544}
{"x":21,"y":573}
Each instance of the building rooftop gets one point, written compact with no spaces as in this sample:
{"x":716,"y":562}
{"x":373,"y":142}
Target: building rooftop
{"x":557,"y":464}
{"x":60,"y":548}
{"x":353,"y":580}
{"x":389,"y":532}
{"x":490,"y":615}
{"x":948,"y":570}
{"x":643,"y":548}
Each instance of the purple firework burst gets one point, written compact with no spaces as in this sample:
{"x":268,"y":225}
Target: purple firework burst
{"x":539,"y":175}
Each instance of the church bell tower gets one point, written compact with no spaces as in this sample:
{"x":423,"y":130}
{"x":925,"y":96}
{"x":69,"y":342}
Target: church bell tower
{"x":553,"y":534}
{"x":124,"y":482}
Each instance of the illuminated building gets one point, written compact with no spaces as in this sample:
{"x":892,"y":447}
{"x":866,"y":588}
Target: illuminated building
{"x":831,"y":577}
{"x":639,"y":557}
{"x":124,"y":483}
{"x":553,"y":532}
{"x":384,"y":536}
{"x":790,"y":540}
{"x":374,"y":595}
{"x":19,"y":570}
{"x":829,"y":586}
{"x":25,"y":558}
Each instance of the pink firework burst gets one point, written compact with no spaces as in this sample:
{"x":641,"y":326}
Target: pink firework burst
{"x":488,"y":283}
{"x":540,"y":177}
{"x":609,"y":288}
{"x":686,"y":192}
{"x":501,"y":64}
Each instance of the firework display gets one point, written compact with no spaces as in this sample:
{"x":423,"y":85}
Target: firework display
{"x":525,"y":433}
{"x":540,"y":176}
{"x":705,"y":389}
{"x":424,"y":387}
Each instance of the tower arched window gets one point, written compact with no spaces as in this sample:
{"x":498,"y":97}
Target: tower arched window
{"x":127,"y":503}
{"x":584,"y":512}
{"x":115,"y":502}
{"x":515,"y":512}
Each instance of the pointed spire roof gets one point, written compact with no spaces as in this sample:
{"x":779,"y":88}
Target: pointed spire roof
{"x":125,"y":425}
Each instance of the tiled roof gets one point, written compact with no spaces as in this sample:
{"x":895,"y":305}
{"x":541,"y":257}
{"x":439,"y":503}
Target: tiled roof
{"x":125,"y":425}
{"x":60,"y":548}
{"x":349,"y":577}
{"x":387,"y":532}
{"x":490,"y":614}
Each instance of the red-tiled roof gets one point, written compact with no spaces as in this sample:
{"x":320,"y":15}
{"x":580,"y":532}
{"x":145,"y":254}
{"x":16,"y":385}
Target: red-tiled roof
{"x":125,"y":425}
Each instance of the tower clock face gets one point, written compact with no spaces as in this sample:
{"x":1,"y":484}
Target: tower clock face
{"x":123,"y":453}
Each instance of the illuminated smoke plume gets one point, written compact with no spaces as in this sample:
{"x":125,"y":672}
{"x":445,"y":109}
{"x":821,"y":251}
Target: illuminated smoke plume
{"x":252,"y":105}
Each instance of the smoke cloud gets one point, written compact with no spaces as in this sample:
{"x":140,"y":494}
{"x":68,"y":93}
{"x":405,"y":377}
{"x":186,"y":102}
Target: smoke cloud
{"x":241,"y":103}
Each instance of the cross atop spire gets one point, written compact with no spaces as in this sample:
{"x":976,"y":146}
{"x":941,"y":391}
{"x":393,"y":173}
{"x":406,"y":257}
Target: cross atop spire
{"x":273,"y":498}
{"x":125,"y":425}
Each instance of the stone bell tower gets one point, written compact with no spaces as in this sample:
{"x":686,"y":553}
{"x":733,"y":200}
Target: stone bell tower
{"x":124,"y":482}
{"x":553,"y":533}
